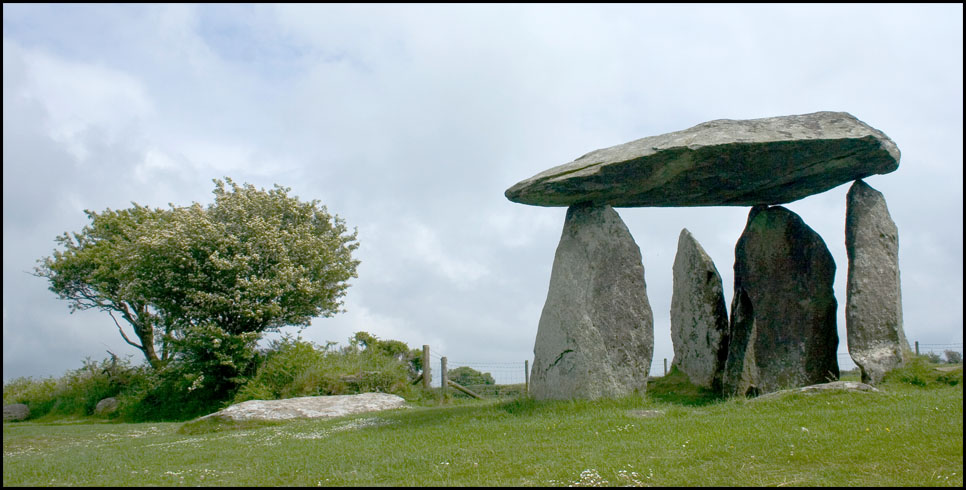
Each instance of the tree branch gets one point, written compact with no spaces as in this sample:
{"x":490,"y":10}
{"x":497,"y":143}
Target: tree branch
{"x":119,"y":329}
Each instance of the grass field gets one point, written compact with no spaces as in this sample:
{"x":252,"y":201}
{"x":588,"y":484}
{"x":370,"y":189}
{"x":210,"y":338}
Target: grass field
{"x":906,"y":435}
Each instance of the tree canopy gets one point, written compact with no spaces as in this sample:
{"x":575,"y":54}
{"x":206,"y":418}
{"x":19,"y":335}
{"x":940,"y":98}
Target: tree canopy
{"x":252,"y":261}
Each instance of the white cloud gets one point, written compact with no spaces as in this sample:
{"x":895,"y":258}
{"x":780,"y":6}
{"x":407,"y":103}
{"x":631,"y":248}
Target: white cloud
{"x":81,"y":97}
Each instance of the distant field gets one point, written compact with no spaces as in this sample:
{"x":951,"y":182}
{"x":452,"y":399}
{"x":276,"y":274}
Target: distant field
{"x":906,"y":436}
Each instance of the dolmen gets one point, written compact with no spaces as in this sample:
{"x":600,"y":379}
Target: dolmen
{"x":595,"y":336}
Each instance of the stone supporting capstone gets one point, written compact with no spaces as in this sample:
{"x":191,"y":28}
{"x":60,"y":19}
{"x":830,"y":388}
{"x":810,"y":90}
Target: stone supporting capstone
{"x":595,"y":336}
{"x":782,"y":330}
{"x":873,"y":307}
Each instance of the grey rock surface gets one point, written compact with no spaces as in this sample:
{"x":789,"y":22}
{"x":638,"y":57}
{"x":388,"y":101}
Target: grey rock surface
{"x":15,"y":412}
{"x":309,"y":407}
{"x":873,"y":305}
{"x":782,"y":331}
{"x":852,"y":386}
{"x":595,"y":338}
{"x":720,"y":163}
{"x":106,"y":406}
{"x":699,"y":317}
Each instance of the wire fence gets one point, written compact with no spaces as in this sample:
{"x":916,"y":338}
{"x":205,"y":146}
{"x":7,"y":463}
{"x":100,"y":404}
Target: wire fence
{"x":510,"y":378}
{"x":941,"y":352}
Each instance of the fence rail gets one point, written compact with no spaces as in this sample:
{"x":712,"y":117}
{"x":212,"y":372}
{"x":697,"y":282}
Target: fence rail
{"x":512,"y":378}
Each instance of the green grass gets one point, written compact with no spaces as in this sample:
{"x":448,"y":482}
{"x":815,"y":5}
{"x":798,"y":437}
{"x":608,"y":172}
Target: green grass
{"x":907,"y":435}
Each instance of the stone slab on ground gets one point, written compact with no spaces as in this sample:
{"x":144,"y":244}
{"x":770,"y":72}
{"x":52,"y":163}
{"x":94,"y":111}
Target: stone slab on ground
{"x":308,"y":407}
{"x":854,"y":386}
{"x":15,"y":412}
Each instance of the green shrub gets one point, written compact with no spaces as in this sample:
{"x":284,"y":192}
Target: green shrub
{"x":933,"y":357}
{"x":77,"y":392}
{"x":38,"y":394}
{"x":168,"y":394}
{"x":215,"y":361}
{"x":954,"y":357}
{"x":467,"y":376}
{"x":288,"y":369}
{"x":921,"y":371}
{"x":293,"y":367}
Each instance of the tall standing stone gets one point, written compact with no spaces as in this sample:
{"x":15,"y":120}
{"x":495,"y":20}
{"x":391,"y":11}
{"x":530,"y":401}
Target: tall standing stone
{"x":595,"y":338}
{"x":873,"y":305}
{"x":699,"y":318}
{"x":783,"y":332}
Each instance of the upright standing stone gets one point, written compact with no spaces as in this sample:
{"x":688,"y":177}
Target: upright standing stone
{"x":873,"y":304}
{"x":783,"y":332}
{"x":699,"y":318}
{"x":595,"y":338}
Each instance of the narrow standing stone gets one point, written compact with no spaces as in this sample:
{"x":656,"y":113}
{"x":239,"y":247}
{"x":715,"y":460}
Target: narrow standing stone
{"x":595,"y":338}
{"x":783,"y":331}
{"x":699,"y":318}
{"x":873,"y":305}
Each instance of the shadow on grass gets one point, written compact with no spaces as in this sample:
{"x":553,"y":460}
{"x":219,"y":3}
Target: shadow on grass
{"x":675,"y":388}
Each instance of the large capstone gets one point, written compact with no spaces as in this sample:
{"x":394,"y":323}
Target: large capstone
{"x":782,"y":332}
{"x":595,"y":338}
{"x":873,"y":305}
{"x":699,"y":318}
{"x":720,"y":163}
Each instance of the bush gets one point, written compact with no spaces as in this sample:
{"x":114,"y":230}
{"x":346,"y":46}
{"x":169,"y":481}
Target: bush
{"x":38,"y":394}
{"x":214,"y":361}
{"x":933,"y":357}
{"x":77,"y":392}
{"x":921,"y":371}
{"x":468,"y":376}
{"x":954,"y":357}
{"x":293,"y":367}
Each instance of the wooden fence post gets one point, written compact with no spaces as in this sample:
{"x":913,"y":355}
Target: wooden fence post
{"x":917,"y":347}
{"x":427,"y":372}
{"x":526,"y":376}
{"x":443,"y":376}
{"x":665,"y":366}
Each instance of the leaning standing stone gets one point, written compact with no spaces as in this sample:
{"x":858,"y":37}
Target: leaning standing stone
{"x":783,"y":332}
{"x":595,"y":336}
{"x":873,"y":305}
{"x":699,"y":318}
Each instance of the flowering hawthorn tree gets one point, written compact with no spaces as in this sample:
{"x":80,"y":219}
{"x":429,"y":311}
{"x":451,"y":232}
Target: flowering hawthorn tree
{"x":250,"y":262}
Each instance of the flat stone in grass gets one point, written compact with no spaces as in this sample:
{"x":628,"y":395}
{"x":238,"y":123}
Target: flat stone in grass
{"x":15,"y":412}
{"x":723,"y":162}
{"x":850,"y":386}
{"x":308,"y":407}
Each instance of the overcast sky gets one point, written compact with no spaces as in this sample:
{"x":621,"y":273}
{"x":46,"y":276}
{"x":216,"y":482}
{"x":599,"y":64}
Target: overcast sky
{"x":410,"y":121}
